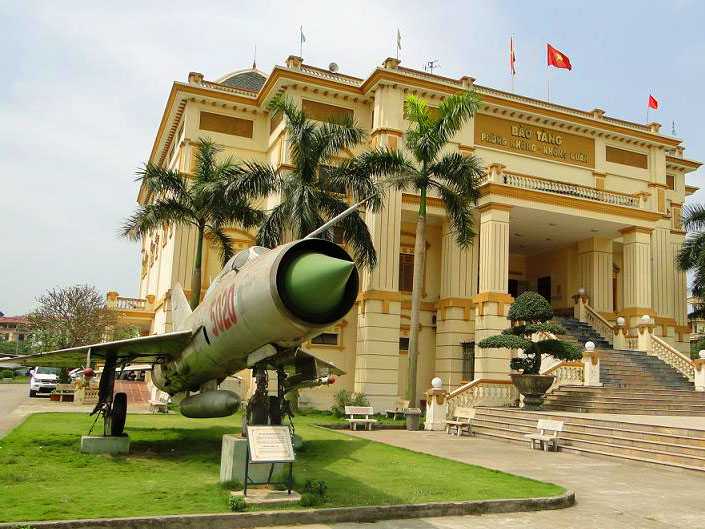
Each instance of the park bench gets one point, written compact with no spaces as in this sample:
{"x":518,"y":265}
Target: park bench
{"x":546,"y":434}
{"x":460,"y":421}
{"x":63,"y":392}
{"x":159,"y":403}
{"x":400,"y":409}
{"x":355,"y":414}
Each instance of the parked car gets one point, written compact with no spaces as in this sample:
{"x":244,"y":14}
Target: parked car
{"x":44,"y":380}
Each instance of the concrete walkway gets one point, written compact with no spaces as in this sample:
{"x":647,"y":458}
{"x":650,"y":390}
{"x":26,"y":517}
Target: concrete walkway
{"x":610,"y":494}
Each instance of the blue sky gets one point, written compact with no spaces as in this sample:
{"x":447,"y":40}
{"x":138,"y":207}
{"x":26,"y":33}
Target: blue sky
{"x":84,"y":85}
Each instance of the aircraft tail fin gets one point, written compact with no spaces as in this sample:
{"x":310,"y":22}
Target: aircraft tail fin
{"x":180,"y":308}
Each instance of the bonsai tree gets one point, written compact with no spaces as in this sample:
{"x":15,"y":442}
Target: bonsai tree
{"x":531,"y":313}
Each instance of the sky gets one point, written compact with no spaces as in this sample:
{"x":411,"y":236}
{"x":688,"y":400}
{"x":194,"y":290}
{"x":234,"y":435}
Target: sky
{"x":84,"y":85}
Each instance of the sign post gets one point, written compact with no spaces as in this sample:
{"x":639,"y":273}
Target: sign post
{"x":269,"y":445}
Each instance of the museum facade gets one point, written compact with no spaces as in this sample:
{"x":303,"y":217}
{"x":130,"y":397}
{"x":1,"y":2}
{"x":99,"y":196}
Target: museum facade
{"x":573,"y":201}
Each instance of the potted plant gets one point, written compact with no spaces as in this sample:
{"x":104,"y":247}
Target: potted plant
{"x":530,"y":315}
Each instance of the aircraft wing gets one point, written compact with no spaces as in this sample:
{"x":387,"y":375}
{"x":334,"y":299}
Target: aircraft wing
{"x":144,"y":349}
{"x":321,"y":365}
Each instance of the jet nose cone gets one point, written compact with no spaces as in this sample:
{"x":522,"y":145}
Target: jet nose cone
{"x":315,"y":283}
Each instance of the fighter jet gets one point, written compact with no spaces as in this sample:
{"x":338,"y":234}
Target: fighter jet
{"x":256,"y":314}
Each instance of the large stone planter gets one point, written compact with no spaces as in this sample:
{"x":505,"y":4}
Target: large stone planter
{"x":533,"y":388}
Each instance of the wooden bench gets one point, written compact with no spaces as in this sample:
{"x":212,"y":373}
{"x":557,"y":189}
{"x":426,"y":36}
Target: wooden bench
{"x":355,"y":414}
{"x":460,"y":421}
{"x":63,"y":392}
{"x":546,"y":434}
{"x":159,"y":403}
{"x":400,"y":409}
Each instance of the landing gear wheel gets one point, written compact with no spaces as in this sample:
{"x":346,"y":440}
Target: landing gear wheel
{"x":118,"y":414}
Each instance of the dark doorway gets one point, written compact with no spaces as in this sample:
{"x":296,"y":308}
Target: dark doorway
{"x":543,"y":287}
{"x":513,"y":287}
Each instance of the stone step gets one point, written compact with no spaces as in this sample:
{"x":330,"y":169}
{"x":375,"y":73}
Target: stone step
{"x":594,"y":408}
{"x":587,"y":420}
{"x":608,"y":391}
{"x":642,"y":398}
{"x":678,"y":447}
{"x":623,"y":430}
{"x":581,"y":438}
{"x":635,"y":405}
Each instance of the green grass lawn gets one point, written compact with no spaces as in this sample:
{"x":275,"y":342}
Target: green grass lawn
{"x":174,"y":463}
{"x":16,"y":380}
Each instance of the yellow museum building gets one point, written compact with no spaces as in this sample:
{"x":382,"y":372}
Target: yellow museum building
{"x":573,"y":201}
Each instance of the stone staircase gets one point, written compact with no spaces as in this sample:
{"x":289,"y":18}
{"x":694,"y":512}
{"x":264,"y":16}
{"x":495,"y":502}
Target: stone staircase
{"x":583,"y":434}
{"x":634,"y":382}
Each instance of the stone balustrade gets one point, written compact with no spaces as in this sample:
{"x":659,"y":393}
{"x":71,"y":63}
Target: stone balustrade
{"x":483,"y":392}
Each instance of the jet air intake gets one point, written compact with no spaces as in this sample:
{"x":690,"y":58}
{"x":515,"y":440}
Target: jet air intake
{"x":317,"y":281}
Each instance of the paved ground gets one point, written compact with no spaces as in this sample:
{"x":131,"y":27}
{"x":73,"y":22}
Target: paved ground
{"x":15,"y":405}
{"x":610,"y":494}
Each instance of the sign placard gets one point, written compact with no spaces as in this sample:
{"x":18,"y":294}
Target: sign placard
{"x":270,"y":444}
{"x":534,"y":140}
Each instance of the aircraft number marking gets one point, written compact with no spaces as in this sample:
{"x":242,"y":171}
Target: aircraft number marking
{"x":222,"y":311}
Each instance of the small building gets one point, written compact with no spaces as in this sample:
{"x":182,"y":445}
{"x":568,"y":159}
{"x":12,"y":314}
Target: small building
{"x":572,"y":200}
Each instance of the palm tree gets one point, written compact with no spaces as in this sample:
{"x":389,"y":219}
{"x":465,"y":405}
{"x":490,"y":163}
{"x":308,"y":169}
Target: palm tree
{"x":451,"y":175}
{"x":215,"y":196}
{"x":692,"y":253}
{"x":314,"y":190}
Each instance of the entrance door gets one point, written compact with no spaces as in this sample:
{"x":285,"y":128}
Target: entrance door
{"x":543,"y":287}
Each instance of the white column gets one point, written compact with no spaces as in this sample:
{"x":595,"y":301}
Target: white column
{"x":492,"y":300}
{"x":595,"y":272}
{"x":637,"y":273}
{"x":454,"y":319}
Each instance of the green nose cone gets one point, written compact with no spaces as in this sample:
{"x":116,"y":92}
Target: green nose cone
{"x":315,"y":283}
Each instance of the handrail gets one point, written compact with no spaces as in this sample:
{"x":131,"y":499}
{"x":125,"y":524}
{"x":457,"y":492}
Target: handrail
{"x":673,"y":357}
{"x":600,"y":324}
{"x":483,"y":392}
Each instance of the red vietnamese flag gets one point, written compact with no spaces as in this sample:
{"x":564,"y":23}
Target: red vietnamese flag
{"x":653,"y":103}
{"x":557,"y":59}
{"x":512,"y":57}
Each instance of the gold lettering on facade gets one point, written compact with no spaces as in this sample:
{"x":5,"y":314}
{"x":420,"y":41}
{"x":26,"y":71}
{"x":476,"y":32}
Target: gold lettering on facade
{"x":535,"y":141}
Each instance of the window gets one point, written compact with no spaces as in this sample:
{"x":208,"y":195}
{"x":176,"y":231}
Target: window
{"x":513,"y":288}
{"x":624,"y":157}
{"x":403,"y":343}
{"x":323,"y":112}
{"x":226,"y":124}
{"x":327,"y":338}
{"x":670,"y":181}
{"x":406,"y":272}
{"x":468,"y":361}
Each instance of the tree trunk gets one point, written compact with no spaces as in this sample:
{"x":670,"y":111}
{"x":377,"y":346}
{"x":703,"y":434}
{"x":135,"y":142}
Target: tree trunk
{"x":196,"y":275}
{"x":416,"y":295}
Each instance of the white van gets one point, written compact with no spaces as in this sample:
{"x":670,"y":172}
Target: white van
{"x":44,"y":380}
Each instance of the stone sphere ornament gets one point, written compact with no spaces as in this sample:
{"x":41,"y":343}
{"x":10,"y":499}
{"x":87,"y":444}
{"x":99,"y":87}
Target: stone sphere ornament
{"x":621,"y":321}
{"x":646,"y":319}
{"x":581,"y":291}
{"x":589,"y":347}
{"x":88,"y":372}
{"x":701,"y":354}
{"x":437,"y":383}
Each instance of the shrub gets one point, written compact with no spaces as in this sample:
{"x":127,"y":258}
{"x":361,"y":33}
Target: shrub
{"x":317,"y":487}
{"x":237,"y":504}
{"x":530,"y":314}
{"x":309,"y":500}
{"x":346,"y":398}
{"x":7,"y":373}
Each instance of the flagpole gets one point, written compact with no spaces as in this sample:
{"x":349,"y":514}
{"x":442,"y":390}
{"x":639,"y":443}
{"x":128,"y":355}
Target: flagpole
{"x":511,"y":59}
{"x":548,"y":83}
{"x":301,"y":41}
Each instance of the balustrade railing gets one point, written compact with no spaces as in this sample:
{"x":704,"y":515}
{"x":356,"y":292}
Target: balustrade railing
{"x":564,"y":188}
{"x":600,"y":324}
{"x":566,"y":373}
{"x":673,"y":357}
{"x":130,"y":303}
{"x":483,"y":392}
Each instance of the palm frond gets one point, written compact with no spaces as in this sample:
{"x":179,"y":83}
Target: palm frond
{"x":205,"y":167}
{"x":153,"y":216}
{"x":354,"y":230}
{"x":160,"y":181}
{"x":251,"y":179}
{"x":694,"y":217}
{"x":459,"y":172}
{"x":225,"y":243}
{"x":455,"y":110}
{"x":459,"y":208}
{"x":330,"y":138}
{"x":271,"y":231}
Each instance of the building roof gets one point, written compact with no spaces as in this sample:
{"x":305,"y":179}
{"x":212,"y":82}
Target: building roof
{"x":14,"y":319}
{"x":250,"y":79}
